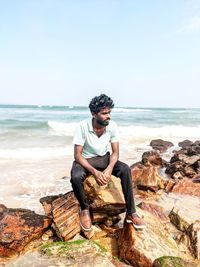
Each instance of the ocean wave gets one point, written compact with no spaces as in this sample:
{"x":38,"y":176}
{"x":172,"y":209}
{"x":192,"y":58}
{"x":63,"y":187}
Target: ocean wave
{"x":128,"y":110}
{"x":169,"y":131}
{"x":63,"y":127}
{"x":160,"y":132}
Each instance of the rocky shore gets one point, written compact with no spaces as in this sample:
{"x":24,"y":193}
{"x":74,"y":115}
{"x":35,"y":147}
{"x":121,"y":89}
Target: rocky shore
{"x":168,"y":198}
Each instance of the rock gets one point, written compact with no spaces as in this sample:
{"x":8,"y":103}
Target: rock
{"x":147,"y":178}
{"x":141,"y":248}
{"x":179,"y":170}
{"x":188,"y":160}
{"x":185,"y":144}
{"x":169,"y":185}
{"x":193,"y":232}
{"x":185,"y":162}
{"x":180,"y":218}
{"x":18,"y":227}
{"x":152,"y":158}
{"x":169,"y":261}
{"x":106,"y":202}
{"x":186,"y":186}
{"x":197,"y":166}
{"x":80,"y":253}
{"x":161,"y":145}
{"x":189,"y":223}
{"x":64,"y":210}
{"x":72,"y":253}
{"x":154,"y":209}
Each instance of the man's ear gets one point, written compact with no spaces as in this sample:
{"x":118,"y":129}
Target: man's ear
{"x":93,"y":115}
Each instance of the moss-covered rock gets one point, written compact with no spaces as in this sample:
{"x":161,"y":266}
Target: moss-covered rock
{"x":168,"y":261}
{"x":81,"y":252}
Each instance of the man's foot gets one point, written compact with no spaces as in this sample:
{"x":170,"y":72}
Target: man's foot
{"x":137,"y":222}
{"x":85,"y":220}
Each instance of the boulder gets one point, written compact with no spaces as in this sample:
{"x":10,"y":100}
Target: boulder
{"x":161,"y":145}
{"x":155,"y":209}
{"x":152,"y":158}
{"x":106,"y":202}
{"x":18,"y":227}
{"x":147,"y":178}
{"x":185,"y":144}
{"x":169,"y":261}
{"x":189,"y":223}
{"x":70,"y":253}
{"x":141,"y":248}
{"x":64,"y":210}
{"x":187,"y":187}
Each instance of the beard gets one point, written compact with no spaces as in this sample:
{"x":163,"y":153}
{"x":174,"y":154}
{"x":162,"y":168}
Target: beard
{"x":102,"y":123}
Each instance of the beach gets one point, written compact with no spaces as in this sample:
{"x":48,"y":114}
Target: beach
{"x":36,"y":150}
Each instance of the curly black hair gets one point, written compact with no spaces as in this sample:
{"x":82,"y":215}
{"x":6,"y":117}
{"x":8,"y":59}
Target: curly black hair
{"x":99,"y":102}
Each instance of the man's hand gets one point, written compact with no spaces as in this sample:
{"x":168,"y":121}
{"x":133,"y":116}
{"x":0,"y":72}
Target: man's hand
{"x":100,"y":178}
{"x":107,"y":173}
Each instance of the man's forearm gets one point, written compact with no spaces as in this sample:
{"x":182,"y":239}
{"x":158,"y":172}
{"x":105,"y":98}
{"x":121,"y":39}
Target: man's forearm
{"x":83,"y":162}
{"x":113,"y":159}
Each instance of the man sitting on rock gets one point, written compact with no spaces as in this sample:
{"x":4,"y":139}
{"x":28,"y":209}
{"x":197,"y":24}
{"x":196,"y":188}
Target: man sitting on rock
{"x":92,"y":141}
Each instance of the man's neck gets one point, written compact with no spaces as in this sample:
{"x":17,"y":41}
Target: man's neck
{"x":97,"y":126}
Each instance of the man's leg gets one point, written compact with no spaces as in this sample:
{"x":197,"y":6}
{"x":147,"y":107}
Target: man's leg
{"x":78,"y":175}
{"x":123,"y":171}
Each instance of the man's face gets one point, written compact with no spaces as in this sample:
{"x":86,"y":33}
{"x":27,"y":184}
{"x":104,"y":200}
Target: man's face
{"x":103,"y":117}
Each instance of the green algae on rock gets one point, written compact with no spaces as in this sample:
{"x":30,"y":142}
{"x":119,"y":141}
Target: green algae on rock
{"x":82,"y":252}
{"x":169,"y":261}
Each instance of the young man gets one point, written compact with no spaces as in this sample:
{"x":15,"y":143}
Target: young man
{"x":92,"y":142}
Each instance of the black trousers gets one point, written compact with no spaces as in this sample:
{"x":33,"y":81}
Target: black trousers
{"x":121,"y":170}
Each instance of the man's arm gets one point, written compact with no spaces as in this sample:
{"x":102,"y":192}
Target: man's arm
{"x":99,"y":176}
{"x":113,"y":159}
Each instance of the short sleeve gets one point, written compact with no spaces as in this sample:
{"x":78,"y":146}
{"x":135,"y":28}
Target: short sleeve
{"x":114,"y":133}
{"x":79,"y":136}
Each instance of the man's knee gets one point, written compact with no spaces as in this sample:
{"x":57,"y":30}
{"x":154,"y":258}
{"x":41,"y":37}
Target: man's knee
{"x":77,"y":176}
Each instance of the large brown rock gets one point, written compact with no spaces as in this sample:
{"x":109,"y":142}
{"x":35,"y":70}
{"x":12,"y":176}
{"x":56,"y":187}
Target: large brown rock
{"x":187,"y":221}
{"x":147,"y":178}
{"x":141,"y":248}
{"x":154,"y":209}
{"x":64,"y":210}
{"x":152,"y":158}
{"x":18,"y":227}
{"x":187,"y":187}
{"x":106,"y":202}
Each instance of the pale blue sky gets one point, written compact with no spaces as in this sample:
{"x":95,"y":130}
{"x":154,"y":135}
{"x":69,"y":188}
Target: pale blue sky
{"x":141,"y":53}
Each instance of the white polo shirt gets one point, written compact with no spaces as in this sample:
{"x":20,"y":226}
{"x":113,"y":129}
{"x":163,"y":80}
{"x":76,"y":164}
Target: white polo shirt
{"x":92,"y":144}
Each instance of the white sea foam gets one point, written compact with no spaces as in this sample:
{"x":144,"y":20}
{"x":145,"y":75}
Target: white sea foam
{"x":63,"y":128}
{"x":130,"y":110}
{"x":168,"y":132}
{"x":35,"y":153}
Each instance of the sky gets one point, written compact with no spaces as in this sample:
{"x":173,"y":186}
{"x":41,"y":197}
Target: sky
{"x":64,"y":52}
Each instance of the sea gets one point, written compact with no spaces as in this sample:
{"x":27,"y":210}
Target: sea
{"x":36,"y":150}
